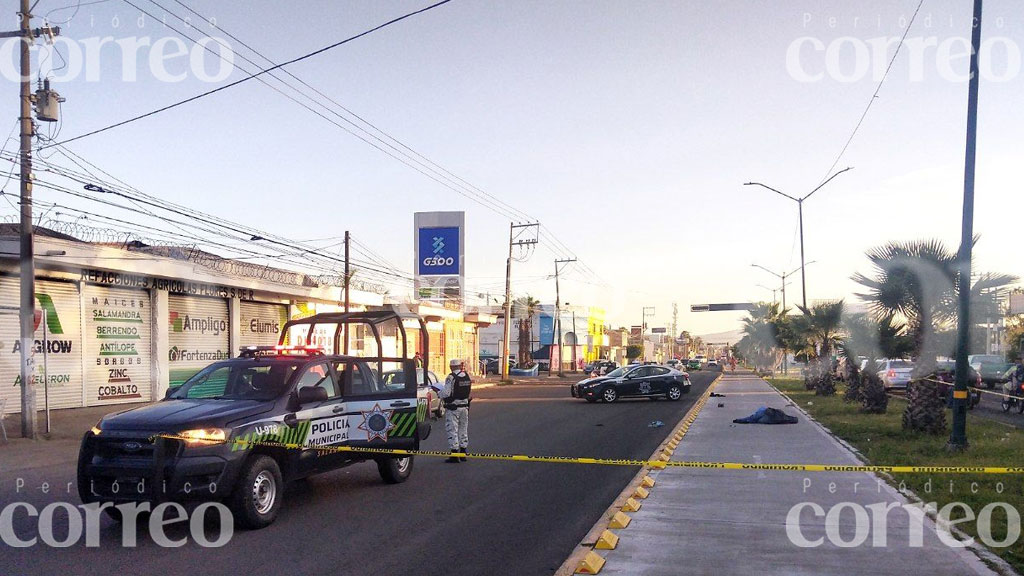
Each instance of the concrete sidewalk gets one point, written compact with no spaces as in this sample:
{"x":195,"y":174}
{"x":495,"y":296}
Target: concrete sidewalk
{"x":735,"y":522}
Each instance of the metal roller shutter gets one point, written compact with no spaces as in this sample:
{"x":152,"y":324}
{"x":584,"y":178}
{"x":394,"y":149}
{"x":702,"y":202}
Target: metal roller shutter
{"x":63,"y":345}
{"x":118,"y":335}
{"x":260,"y":324}
{"x":198,"y":335}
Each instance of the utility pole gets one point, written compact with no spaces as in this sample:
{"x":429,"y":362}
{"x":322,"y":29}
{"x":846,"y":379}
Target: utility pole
{"x":675,"y":326}
{"x":558,"y":317}
{"x":643,"y":328}
{"x":348,"y":279}
{"x":28,"y":278}
{"x":513,"y":241}
{"x":958,"y":437}
{"x":28,"y":272}
{"x":800,"y":204}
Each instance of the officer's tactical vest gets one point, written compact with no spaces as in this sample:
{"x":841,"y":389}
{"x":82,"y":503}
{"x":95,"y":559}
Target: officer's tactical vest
{"x":460,"y":390}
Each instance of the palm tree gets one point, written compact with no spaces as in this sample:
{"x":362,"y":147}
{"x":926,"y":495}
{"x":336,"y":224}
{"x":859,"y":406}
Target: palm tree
{"x":863,"y":338}
{"x":760,"y":341}
{"x":918,"y":280}
{"x":524,"y":309}
{"x":821,"y":325}
{"x":914,"y":280}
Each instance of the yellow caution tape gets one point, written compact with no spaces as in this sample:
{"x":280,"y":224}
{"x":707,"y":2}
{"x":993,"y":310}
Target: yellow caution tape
{"x":630,"y":462}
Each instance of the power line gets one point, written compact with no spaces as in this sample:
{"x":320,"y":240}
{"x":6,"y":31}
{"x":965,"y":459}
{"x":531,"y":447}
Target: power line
{"x":250,"y":77}
{"x":874,"y":96}
{"x":519,"y":213}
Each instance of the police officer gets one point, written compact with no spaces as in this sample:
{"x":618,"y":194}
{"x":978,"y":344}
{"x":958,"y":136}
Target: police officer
{"x":455,"y":395}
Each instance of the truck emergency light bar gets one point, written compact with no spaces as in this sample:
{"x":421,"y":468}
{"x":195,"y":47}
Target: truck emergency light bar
{"x":279,"y":350}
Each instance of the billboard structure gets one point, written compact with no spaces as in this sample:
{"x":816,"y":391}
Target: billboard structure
{"x":440,"y":249}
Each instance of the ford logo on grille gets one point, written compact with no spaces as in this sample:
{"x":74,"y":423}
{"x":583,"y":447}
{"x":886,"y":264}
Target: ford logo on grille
{"x":132,"y":446}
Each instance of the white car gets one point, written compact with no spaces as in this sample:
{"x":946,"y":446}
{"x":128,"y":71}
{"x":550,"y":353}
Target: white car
{"x":895,"y":373}
{"x":712,"y":362}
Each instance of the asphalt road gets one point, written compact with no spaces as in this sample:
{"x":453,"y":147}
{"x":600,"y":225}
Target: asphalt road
{"x":990,"y":408}
{"x":479,"y":517}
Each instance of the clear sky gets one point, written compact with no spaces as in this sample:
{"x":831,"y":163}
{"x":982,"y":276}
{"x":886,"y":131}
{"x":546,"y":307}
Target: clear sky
{"x":627,"y":128}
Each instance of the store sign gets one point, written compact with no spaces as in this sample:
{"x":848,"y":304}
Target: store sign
{"x":55,"y":349}
{"x":439,"y":251}
{"x":260,"y":324}
{"x":168,"y":285}
{"x":198,"y":335}
{"x":117,"y":340}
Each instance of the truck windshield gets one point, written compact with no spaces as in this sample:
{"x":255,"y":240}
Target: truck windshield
{"x":239,"y":380}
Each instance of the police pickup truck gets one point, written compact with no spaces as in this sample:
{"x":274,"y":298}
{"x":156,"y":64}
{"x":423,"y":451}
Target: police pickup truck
{"x":240,"y":429}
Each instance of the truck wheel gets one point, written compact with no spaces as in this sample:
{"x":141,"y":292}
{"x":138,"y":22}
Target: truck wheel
{"x":395,"y":470}
{"x":256,"y":499}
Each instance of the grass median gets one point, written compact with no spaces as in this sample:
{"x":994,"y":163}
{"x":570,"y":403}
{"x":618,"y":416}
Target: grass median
{"x":880,"y":438}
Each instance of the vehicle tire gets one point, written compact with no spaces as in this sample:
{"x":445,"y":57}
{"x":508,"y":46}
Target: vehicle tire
{"x":257,"y":497}
{"x":395,"y":470}
{"x":675,"y":392}
{"x":1020,"y":406}
{"x":609,"y":394}
{"x":1005,"y":404}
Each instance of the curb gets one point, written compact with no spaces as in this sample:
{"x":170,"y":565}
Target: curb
{"x":584,"y":559}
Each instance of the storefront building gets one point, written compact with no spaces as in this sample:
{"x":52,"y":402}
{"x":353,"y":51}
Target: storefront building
{"x":118,"y":326}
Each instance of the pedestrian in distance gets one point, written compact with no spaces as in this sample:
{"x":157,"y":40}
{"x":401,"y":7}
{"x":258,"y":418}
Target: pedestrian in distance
{"x":456,"y":398}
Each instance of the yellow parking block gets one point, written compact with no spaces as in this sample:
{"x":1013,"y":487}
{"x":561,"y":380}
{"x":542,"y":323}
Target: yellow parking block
{"x":608,"y":541}
{"x":619,"y":521}
{"x":591,"y":564}
{"x":647,"y":482}
{"x":631,"y":505}
{"x":641,"y":492}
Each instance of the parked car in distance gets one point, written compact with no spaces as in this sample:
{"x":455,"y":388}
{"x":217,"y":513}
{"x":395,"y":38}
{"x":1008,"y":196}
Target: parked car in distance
{"x":693,"y":364}
{"x":395,"y":380}
{"x":493,"y":365}
{"x":600,"y":367}
{"x":650,"y":381}
{"x":946,"y":371}
{"x":675,"y":364}
{"x":712,"y":362}
{"x":991,"y":367}
{"x":895,"y":373}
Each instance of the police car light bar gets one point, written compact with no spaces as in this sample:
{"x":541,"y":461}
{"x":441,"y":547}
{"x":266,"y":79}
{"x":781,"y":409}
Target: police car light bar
{"x":279,"y":350}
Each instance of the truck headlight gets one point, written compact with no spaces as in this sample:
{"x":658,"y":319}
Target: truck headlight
{"x":96,"y":429}
{"x":203,"y":436}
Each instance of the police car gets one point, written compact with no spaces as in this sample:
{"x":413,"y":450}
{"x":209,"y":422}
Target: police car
{"x":242,"y":428}
{"x":650,"y":381}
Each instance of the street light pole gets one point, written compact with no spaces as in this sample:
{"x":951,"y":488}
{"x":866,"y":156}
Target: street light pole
{"x":800,"y":206}
{"x":958,"y":437}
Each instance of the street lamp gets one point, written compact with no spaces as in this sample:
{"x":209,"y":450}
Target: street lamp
{"x":774,"y":290}
{"x":783,"y":277}
{"x":800,"y":205}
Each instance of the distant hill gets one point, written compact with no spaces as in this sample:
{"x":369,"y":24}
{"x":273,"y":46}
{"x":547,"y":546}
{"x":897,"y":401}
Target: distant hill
{"x":731,"y":337}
